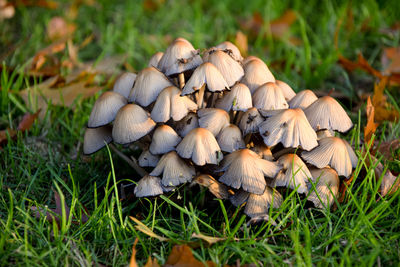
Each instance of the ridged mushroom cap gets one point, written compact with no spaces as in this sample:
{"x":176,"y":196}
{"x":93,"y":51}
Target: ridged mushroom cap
{"x":174,"y":170}
{"x":230,"y":139}
{"x":238,"y":98}
{"x":213,"y":119}
{"x":250,"y":121}
{"x":256,"y":73}
{"x":105,"y":109}
{"x":96,"y":138}
{"x":170,"y":104}
{"x":146,"y":159}
{"x":326,"y":187}
{"x":286,"y":89}
{"x":244,"y":169}
{"x":250,"y":58}
{"x":148,"y":85}
{"x":188,"y":123}
{"x":201,"y":146}
{"x":333,"y":152}
{"x":327,"y":113}
{"x":148,"y":186}
{"x":289,"y":127}
{"x":232,"y":50}
{"x":155,"y":59}
{"x":230,"y":69}
{"x":123,"y":85}
{"x":269,"y":96}
{"x":303,"y":99}
{"x":164,"y":140}
{"x":131,"y":123}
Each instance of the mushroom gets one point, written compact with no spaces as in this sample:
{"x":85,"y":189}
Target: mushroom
{"x":146,"y":159}
{"x":333,"y":152}
{"x":269,"y":96}
{"x":96,"y":138}
{"x":175,"y":171}
{"x":188,"y":123}
{"x":291,"y":128}
{"x":217,"y":189}
{"x":303,"y":99}
{"x":231,"y":49}
{"x":286,"y":89}
{"x":148,"y":186}
{"x":244,"y":169}
{"x":200,"y":146}
{"x":256,"y":73}
{"x":230,"y":139}
{"x":131,"y":123}
{"x":105,"y":109}
{"x":250,"y":121}
{"x":238,"y":98}
{"x":164,"y":140}
{"x":213,"y":119}
{"x":326,"y":187}
{"x":263,"y":151}
{"x":155,"y":59}
{"x":123,"y":85}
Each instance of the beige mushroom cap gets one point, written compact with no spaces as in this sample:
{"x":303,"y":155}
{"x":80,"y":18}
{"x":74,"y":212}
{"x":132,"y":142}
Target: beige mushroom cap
{"x":230,"y":139}
{"x":333,"y":152}
{"x":250,"y":58}
{"x":105,"y":109}
{"x":146,"y":159}
{"x":164,"y":140}
{"x":155,"y":59}
{"x":96,"y":138}
{"x":303,"y":99}
{"x":188,"y":123}
{"x":239,"y":98}
{"x":244,"y":169}
{"x":148,"y":186}
{"x":213,"y":119}
{"x":148,"y":85}
{"x":170,"y":104}
{"x":250,"y":121}
{"x":233,"y":51}
{"x":131,"y":123}
{"x":200,"y":146}
{"x":291,"y":128}
{"x":175,"y":171}
{"x":230,"y":69}
{"x":256,"y":73}
{"x":286,"y":89}
{"x":326,"y":187}
{"x":123,"y":85}
{"x":327,"y":113}
{"x":269,"y":96}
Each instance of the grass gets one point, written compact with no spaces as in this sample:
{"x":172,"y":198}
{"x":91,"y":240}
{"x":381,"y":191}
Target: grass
{"x":361,"y":231}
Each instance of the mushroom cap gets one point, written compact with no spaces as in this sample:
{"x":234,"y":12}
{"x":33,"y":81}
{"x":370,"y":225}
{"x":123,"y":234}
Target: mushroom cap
{"x":96,"y":138}
{"x":244,"y":169}
{"x":206,"y":74}
{"x":256,"y":73}
{"x":131,"y":123}
{"x":170,"y":104}
{"x":327,"y":113}
{"x":303,"y":99}
{"x":164,"y":140}
{"x":179,"y":57}
{"x":200,"y":146}
{"x":146,"y":159}
{"x":123,"y":85}
{"x":233,"y":51}
{"x":155,"y":59}
{"x":148,"y":186}
{"x":149,"y":83}
{"x":175,"y":171}
{"x":263,"y":151}
{"x":286,"y":89}
{"x":250,"y":121}
{"x":188,"y":123}
{"x":327,"y":187}
{"x":269,"y":96}
{"x":333,"y":152}
{"x":294,"y":173}
{"x":238,"y":98}
{"x":291,"y":128}
{"x":105,"y":109}
{"x":213,"y":119}
{"x":230,"y":139}
{"x":230,"y":69}
{"x":217,"y":189}
{"x":250,"y":58}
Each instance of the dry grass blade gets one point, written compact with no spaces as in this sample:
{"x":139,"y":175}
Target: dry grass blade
{"x":209,"y":239}
{"x":146,"y":230}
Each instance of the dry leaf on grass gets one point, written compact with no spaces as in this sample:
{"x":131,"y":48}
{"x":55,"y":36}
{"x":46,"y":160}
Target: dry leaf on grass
{"x":133,"y":262}
{"x":209,"y":239}
{"x":388,"y":148}
{"x":371,"y":126}
{"x":383,"y":109}
{"x":182,"y":256}
{"x":390,"y":183}
{"x":146,"y":230}
{"x":391,"y":60}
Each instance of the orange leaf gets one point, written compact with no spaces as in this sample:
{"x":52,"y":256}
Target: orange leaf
{"x":133,"y":262}
{"x":182,"y":256}
{"x":383,"y":109}
{"x":241,"y":43}
{"x":371,"y":126}
{"x":151,"y":263}
{"x":391,"y":59}
{"x":361,"y":63}
{"x":27,"y":121}
{"x":280,"y":26}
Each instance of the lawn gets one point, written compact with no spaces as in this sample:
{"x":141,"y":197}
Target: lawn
{"x":47,"y":160}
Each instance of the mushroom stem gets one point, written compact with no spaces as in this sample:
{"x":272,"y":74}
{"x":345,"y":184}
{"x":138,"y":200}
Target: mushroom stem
{"x":181,"y":78}
{"x":132,"y":162}
{"x":201,"y":96}
{"x":247,"y":138}
{"x":238,"y":117}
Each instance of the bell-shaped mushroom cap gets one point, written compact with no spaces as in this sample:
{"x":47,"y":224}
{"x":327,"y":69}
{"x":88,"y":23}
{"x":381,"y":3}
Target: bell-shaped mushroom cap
{"x":149,"y":83}
{"x":155,"y":59}
{"x":250,"y":121}
{"x":148,"y":186}
{"x":327,"y":187}
{"x":206,"y":74}
{"x":188,"y":123}
{"x":146,"y":159}
{"x":269,"y":96}
{"x":291,"y":128}
{"x":96,"y":138}
{"x":175,"y":171}
{"x":239,"y":98}
{"x":263,"y":152}
{"x":105,"y":109}
{"x":256,"y":73}
{"x":294,"y":173}
{"x":250,"y":58}
{"x":123,"y":85}
{"x":333,"y":152}
{"x":200,"y":146}
{"x":232,"y":49}
{"x":257,"y":204}
{"x":327,"y":113}
{"x":179,"y":57}
{"x":217,"y":189}
{"x":170,"y":104}
{"x":164,"y":140}
{"x":244,"y":169}
{"x":230,"y":139}
{"x":131,"y":123}
{"x":230,"y":69}
{"x":286,"y":90}
{"x":213,"y":119}
{"x":303,"y":99}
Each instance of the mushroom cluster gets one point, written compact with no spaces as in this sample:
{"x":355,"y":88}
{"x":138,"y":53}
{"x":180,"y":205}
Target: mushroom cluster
{"x":224,"y":121}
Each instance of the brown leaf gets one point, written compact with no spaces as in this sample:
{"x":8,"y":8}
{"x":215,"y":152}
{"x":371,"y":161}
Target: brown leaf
{"x":27,"y":121}
{"x":391,"y":60}
{"x":390,"y":183}
{"x":151,"y":263}
{"x":371,"y":126}
{"x":361,"y":63}
{"x":182,"y":256}
{"x":280,"y":26}
{"x":133,"y":262}
{"x":383,"y":109}
{"x":152,"y":5}
{"x":387,"y":149}
{"x":241,"y":43}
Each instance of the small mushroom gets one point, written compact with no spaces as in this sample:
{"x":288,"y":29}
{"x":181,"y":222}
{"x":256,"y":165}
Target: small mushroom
{"x":155,"y":59}
{"x":230,"y":139}
{"x":105,"y":109}
{"x":256,"y":73}
{"x":146,"y":159}
{"x":303,"y":99}
{"x":263,"y":151}
{"x":238,"y":98}
{"x":286,"y":89}
{"x":188,"y":123}
{"x":269,"y":96}
{"x":123,"y":85}
{"x":250,"y":121}
{"x":213,"y":119}
{"x":326,"y":187}
{"x":148,"y":186}
{"x":96,"y":138}
{"x":164,"y":140}
{"x":231,"y":49}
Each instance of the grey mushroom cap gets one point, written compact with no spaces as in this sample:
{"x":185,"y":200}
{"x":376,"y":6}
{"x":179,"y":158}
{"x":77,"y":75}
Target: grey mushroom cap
{"x":250,"y":121}
{"x":155,"y":59}
{"x":105,"y":109}
{"x":232,"y":49}
{"x":164,"y":140}
{"x":96,"y":138}
{"x":230,"y":139}
{"x":213,"y":119}
{"x":230,"y":69}
{"x":269,"y":96}
{"x":326,"y":187}
{"x":146,"y":159}
{"x":286,"y":89}
{"x":123,"y":85}
{"x":148,"y":186}
{"x":303,"y":99}
{"x":238,"y":98}
{"x":256,"y":73}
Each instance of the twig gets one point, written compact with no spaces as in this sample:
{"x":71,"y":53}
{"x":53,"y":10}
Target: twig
{"x":131,"y":163}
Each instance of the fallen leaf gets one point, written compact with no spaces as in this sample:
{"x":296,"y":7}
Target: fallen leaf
{"x":280,"y":26}
{"x":182,"y":256}
{"x":391,"y":60}
{"x":146,"y":230}
{"x":151,"y":263}
{"x":383,"y":109}
{"x":361,"y":63}
{"x":371,"y":126}
{"x":387,"y":149}
{"x":133,"y":262}
{"x":241,"y":43}
{"x":152,"y":5}
{"x":390,"y":183}
{"x":217,"y":189}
